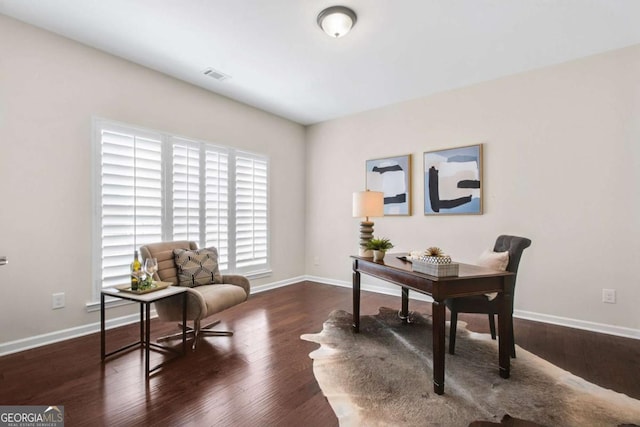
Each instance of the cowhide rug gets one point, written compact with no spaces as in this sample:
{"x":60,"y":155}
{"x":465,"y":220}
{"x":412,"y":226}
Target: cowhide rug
{"x":383,"y":377}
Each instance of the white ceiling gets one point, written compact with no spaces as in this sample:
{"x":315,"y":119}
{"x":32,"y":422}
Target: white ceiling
{"x":281,"y":62}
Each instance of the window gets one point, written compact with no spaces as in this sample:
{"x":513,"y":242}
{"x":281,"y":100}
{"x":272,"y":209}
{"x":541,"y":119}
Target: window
{"x":200,"y":196}
{"x":251,"y":210}
{"x":151,"y":186}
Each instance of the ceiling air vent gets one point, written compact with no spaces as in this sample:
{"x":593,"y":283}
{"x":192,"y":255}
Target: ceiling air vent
{"x":215,"y":74}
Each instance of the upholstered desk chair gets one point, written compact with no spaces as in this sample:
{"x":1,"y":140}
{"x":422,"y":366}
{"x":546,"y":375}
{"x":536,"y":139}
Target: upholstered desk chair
{"x":202,"y":301}
{"x":480,"y":303}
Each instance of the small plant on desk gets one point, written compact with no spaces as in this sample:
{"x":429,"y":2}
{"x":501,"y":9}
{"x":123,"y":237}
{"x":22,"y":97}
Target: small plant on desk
{"x":379,"y":247}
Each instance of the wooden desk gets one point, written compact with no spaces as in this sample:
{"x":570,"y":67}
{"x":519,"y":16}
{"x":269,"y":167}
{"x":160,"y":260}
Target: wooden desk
{"x":472,"y":280}
{"x":145,"y":301}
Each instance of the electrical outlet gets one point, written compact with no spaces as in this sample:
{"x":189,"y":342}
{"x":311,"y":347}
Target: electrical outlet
{"x":316,"y":260}
{"x":609,"y":296}
{"x":57,"y":301}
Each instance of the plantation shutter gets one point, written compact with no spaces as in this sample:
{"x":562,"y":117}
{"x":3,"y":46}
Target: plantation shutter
{"x":251,"y":210}
{"x":131,"y":198}
{"x":186,"y":191}
{"x":217,"y":203}
{"x":151,"y":187}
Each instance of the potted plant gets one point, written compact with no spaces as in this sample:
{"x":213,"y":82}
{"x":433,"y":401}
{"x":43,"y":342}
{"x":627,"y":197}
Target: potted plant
{"x":379,"y":247}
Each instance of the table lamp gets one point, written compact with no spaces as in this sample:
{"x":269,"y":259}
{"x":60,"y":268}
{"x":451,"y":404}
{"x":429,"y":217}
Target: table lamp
{"x":367,"y":204}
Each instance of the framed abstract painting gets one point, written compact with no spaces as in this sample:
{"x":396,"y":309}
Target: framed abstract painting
{"x":453,"y":181}
{"x":392,"y":176}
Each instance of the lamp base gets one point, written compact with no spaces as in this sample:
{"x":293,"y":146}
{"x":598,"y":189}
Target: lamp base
{"x":366,"y":253}
{"x":366,"y":234}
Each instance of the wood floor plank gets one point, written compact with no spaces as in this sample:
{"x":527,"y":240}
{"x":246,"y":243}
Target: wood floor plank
{"x":263,"y":374}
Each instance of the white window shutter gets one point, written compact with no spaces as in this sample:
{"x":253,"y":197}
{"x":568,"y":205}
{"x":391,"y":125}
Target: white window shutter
{"x":151,"y":186}
{"x":186,"y":191}
{"x":131,"y":199}
{"x":217,"y":203}
{"x":251,"y":210}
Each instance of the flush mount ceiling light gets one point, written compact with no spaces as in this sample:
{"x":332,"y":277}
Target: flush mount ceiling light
{"x":337,"y":21}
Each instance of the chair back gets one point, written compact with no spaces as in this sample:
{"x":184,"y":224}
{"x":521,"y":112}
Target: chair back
{"x":515,"y":245}
{"x":163,"y":252}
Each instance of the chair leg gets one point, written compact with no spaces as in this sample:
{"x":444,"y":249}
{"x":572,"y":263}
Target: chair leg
{"x":492,"y":326}
{"x":190,"y":333}
{"x":196,"y":332}
{"x":207,"y":331}
{"x":513,"y":341}
{"x":211,"y":325}
{"x":453,"y":326}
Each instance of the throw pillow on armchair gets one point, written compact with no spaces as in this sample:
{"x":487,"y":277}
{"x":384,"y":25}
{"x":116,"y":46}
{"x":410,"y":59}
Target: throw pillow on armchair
{"x":198,"y":267}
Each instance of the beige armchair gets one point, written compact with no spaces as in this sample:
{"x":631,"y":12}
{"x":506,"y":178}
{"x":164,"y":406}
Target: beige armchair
{"x":202,"y":301}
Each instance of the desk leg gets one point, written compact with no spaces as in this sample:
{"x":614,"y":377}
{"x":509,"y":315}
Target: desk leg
{"x":505,"y":325}
{"x":356,"y":301}
{"x":147,"y":339}
{"x":102,"y":326}
{"x":438,"y":311}
{"x":404,"y":312}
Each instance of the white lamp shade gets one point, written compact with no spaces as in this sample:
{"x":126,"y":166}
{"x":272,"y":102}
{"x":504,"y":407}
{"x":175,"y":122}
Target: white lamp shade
{"x":368,"y":203}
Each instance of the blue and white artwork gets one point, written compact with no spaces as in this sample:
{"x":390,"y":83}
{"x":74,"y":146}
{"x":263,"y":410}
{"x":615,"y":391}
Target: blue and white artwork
{"x":453,"y":181}
{"x":392,"y":176}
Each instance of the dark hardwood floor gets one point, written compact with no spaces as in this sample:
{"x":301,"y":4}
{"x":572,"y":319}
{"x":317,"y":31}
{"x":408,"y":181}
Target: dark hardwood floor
{"x":262,"y":376}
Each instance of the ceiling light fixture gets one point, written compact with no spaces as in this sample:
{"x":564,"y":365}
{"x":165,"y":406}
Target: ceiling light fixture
{"x":337,"y":21}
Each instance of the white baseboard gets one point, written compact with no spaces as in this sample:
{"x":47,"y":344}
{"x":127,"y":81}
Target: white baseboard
{"x":65,"y":334}
{"x":275,"y":285}
{"x":393,"y":291}
{"x":602,"y":328}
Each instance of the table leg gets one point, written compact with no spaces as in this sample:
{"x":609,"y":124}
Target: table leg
{"x":102,"y":327}
{"x":404,"y":312}
{"x":438,"y":311}
{"x":147,"y":339}
{"x":184,"y":323}
{"x":142,"y":341}
{"x":356,"y":301}
{"x":505,"y":323}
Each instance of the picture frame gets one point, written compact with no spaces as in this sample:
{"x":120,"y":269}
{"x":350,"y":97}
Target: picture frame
{"x":392,"y":176}
{"x":453,"y":181}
